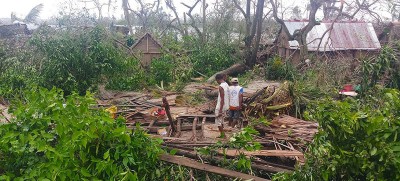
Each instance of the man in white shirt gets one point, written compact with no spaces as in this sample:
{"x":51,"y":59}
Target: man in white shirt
{"x":222,"y":103}
{"x":235,"y":102}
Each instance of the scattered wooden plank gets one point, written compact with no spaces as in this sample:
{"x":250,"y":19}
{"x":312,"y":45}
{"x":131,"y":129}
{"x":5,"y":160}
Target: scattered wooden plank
{"x":265,"y":166}
{"x":284,"y":153}
{"x":208,"y":168}
{"x":154,"y":129}
{"x":198,"y":115}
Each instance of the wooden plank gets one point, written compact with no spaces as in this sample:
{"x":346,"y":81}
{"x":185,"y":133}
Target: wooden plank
{"x":198,"y":115}
{"x":193,"y":138}
{"x":203,"y":122}
{"x":262,"y":153}
{"x":208,"y":168}
{"x":183,"y":128}
{"x":265,"y":166}
{"x":178,"y":128}
{"x":167,"y":110}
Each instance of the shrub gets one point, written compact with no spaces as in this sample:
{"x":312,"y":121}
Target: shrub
{"x":357,"y":140}
{"x":76,"y":59}
{"x":57,"y":138}
{"x":131,"y":76}
{"x":277,"y":69}
{"x":210,"y":58}
{"x":161,"y":70}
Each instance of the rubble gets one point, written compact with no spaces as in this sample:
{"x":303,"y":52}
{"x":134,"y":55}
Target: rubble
{"x":186,"y":128}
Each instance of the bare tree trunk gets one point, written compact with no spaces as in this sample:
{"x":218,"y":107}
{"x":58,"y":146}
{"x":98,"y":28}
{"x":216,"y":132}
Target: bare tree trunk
{"x":185,"y":24}
{"x":251,"y":51}
{"x":204,"y":38}
{"x":125,"y":7}
{"x":252,"y":61}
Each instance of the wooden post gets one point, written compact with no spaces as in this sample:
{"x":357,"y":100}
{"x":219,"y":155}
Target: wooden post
{"x":167,"y":110}
{"x":178,"y":126}
{"x":193,"y":138}
{"x":202,"y":128}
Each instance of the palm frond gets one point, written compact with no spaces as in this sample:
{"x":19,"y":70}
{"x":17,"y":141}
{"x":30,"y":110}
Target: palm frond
{"x":33,"y":14}
{"x":14,"y":17}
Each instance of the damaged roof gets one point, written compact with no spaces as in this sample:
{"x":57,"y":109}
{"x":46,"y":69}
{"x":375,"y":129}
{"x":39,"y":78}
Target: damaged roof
{"x":343,"y":36}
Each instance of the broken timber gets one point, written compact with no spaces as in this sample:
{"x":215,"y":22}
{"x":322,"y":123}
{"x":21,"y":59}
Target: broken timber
{"x":208,"y":168}
{"x":167,"y":110}
{"x":262,"y":153}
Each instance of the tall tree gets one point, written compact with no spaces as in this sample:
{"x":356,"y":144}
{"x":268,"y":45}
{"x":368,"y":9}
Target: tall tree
{"x":253,"y":30}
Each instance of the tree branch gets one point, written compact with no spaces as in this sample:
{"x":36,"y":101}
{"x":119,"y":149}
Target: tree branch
{"x":192,"y":20}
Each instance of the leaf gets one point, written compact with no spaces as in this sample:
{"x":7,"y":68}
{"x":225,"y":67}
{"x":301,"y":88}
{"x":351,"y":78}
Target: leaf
{"x":173,"y":151}
{"x":33,"y":14}
{"x":106,"y":155}
{"x":125,"y":162}
{"x":373,"y":151}
{"x":85,"y":172}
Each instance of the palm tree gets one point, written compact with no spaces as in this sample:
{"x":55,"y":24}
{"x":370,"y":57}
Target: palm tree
{"x":31,"y":17}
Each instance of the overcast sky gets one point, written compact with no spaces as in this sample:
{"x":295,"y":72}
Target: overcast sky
{"x":52,"y":7}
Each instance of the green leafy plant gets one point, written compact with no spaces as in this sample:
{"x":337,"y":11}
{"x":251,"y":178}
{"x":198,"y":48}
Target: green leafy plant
{"x":57,"y":138}
{"x":75,"y":60}
{"x":241,"y":140}
{"x":357,"y":139}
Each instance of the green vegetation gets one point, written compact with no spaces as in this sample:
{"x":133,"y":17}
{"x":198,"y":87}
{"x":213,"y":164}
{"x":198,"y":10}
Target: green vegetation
{"x":357,"y":139}
{"x":57,"y":138}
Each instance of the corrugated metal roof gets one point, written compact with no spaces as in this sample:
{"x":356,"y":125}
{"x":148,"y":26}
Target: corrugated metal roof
{"x":343,"y":36}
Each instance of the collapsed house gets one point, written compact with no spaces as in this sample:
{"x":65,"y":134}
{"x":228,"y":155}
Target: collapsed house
{"x":351,"y":40}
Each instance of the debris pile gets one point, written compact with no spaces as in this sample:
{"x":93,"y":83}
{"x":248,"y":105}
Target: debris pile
{"x":185,"y":129}
{"x":268,"y":101}
{"x":293,"y":132}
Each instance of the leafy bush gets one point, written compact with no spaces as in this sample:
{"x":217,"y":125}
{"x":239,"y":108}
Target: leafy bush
{"x":57,"y":138}
{"x":130,"y":76}
{"x":277,"y":69}
{"x":76,"y":59}
{"x":382,"y":69}
{"x":161,"y":70}
{"x":357,"y":140}
{"x":210,"y":58}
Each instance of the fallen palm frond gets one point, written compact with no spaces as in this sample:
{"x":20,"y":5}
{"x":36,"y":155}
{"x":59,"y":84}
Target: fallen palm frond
{"x":269,"y":100}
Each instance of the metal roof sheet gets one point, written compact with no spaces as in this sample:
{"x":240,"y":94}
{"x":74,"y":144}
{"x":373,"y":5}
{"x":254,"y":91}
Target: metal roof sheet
{"x":343,"y":36}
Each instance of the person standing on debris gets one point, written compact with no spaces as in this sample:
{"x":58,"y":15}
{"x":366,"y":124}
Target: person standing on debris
{"x":235,"y":102}
{"x":222,"y":103}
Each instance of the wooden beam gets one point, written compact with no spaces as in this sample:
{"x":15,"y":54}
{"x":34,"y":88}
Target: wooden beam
{"x":194,"y":130}
{"x":285,"y":153}
{"x":167,"y":110}
{"x":257,"y":164}
{"x":208,"y":168}
{"x":203,"y":122}
{"x":198,"y":115}
{"x":178,"y":128}
{"x":154,"y":129}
